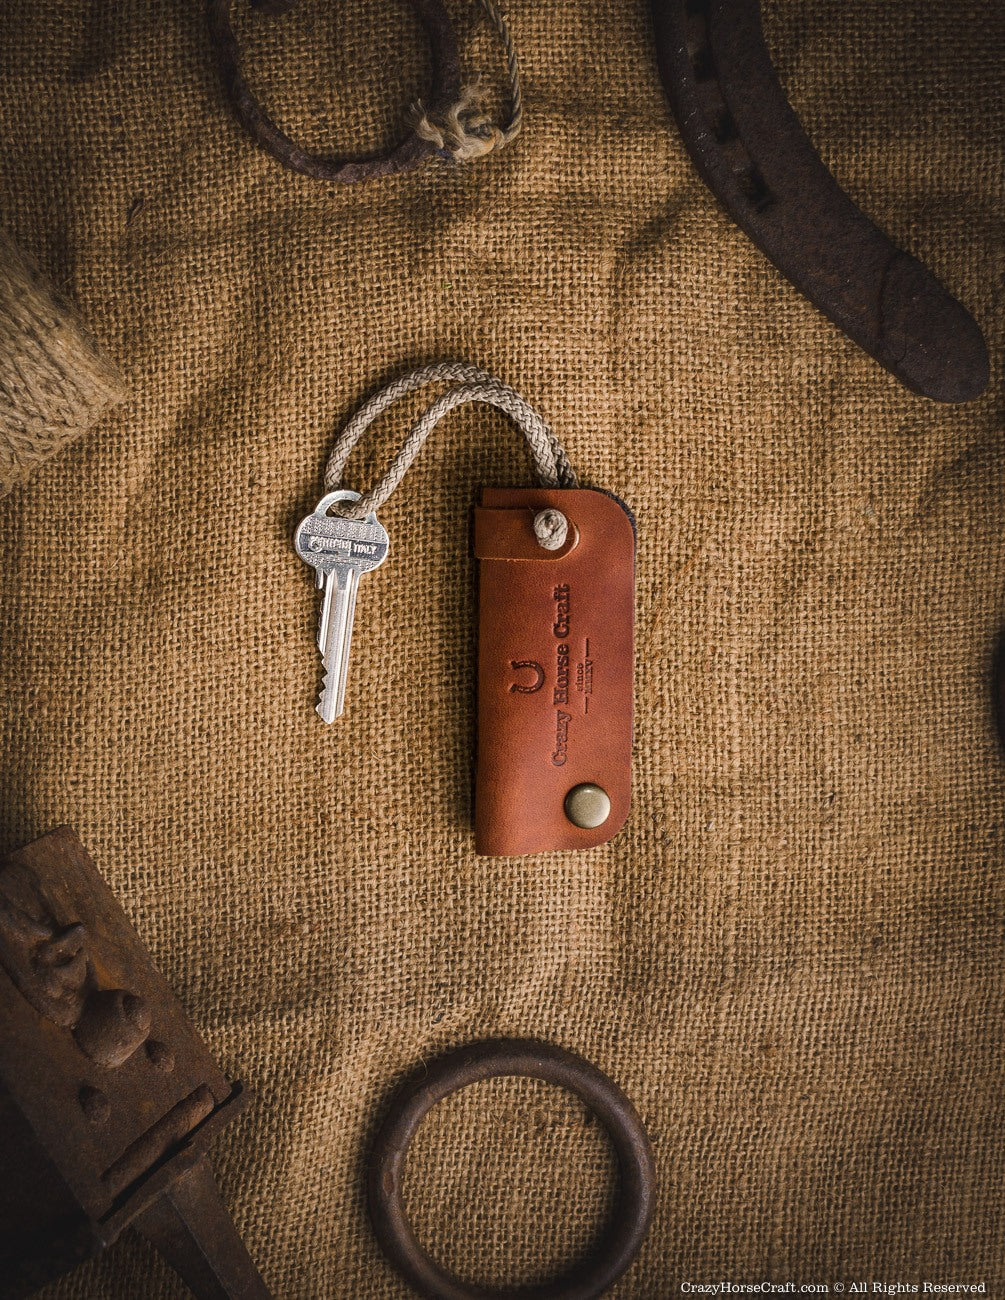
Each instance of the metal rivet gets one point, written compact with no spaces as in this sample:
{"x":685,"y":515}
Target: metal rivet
{"x":587,"y":806}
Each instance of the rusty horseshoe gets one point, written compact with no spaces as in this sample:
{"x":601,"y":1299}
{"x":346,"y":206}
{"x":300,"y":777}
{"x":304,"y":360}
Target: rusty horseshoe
{"x":751,"y":150}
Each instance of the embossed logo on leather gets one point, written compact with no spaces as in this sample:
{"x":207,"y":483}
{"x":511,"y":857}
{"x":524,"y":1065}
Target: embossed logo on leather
{"x":566,"y":686}
{"x":523,"y":688}
{"x":573,"y":672}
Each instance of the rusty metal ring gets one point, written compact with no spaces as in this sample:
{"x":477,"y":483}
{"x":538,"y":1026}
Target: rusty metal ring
{"x":488,"y":1060}
{"x":751,"y":150}
{"x":408,"y":153}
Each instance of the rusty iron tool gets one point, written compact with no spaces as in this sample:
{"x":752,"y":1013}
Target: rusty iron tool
{"x":491,"y":1059}
{"x":108,"y":1096}
{"x":411,"y":151}
{"x":751,"y":150}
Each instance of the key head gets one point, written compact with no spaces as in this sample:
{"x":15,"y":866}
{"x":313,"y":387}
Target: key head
{"x":329,"y":542}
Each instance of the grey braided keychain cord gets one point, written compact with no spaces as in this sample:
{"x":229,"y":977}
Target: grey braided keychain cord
{"x":551,"y":465}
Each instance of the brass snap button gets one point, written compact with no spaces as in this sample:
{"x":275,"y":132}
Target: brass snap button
{"x":587,"y":806}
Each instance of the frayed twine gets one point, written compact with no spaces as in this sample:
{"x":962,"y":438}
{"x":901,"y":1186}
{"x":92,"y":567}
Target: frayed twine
{"x":463,"y":132}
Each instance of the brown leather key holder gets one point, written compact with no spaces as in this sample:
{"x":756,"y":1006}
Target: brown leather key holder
{"x":752,"y":152}
{"x":556,"y":623}
{"x":555,"y":671}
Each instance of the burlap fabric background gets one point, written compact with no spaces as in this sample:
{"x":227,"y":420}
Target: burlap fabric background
{"x":790,"y":959}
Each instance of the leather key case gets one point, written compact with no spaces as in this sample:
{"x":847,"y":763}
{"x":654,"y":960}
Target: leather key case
{"x":555,"y":671}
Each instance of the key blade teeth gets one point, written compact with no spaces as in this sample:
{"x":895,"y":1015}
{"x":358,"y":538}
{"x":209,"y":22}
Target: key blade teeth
{"x":323,"y":710}
{"x":327,"y":705}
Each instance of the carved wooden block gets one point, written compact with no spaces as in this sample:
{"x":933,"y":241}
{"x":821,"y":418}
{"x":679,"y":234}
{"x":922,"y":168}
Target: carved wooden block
{"x":108,"y":1096}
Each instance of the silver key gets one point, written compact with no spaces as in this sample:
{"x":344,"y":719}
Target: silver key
{"x":338,"y":550}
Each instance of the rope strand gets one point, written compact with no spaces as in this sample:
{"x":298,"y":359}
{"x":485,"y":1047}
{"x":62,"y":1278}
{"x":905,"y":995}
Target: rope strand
{"x":464,"y":131}
{"x":471,"y":384}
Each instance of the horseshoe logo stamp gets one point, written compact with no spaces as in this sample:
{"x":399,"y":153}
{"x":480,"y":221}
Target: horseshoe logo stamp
{"x":531,"y":665}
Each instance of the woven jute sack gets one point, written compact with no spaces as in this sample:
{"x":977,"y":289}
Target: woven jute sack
{"x":790,"y":959}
